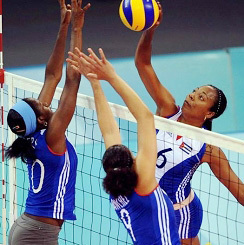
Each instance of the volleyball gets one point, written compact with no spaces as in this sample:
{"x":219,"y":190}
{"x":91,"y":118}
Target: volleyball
{"x":138,"y":15}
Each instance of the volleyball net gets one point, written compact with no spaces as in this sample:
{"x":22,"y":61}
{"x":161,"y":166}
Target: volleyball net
{"x":97,"y":222}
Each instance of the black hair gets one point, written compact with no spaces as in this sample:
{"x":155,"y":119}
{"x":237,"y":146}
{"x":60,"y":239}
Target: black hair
{"x":22,"y":146}
{"x":121,"y":179}
{"x":218,"y":107}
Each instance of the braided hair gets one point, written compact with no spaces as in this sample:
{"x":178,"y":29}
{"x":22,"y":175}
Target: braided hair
{"x":218,"y":107}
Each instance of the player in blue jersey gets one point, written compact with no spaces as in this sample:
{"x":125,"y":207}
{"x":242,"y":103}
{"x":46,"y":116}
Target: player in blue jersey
{"x":143,"y":207}
{"x":179,"y":157}
{"x":51,"y":159}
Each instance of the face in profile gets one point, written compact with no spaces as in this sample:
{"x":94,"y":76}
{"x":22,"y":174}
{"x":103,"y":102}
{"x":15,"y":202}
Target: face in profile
{"x":199,"y":103}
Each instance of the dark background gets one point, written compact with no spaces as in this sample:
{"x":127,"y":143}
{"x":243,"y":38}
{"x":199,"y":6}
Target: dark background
{"x":30,"y":28}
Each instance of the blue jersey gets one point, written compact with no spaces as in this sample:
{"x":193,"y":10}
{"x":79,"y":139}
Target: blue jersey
{"x":178,"y":159}
{"x":52,"y":180}
{"x":149,"y":219}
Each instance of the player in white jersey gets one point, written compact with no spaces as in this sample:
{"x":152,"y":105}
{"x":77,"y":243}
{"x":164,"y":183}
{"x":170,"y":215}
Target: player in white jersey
{"x":143,"y":207}
{"x":179,"y":157}
{"x":51,"y":159}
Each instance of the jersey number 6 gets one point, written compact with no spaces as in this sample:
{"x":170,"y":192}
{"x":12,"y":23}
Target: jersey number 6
{"x":161,"y":153}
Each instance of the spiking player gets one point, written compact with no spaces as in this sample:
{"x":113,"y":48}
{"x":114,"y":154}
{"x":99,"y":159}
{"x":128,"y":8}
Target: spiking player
{"x":179,"y":157}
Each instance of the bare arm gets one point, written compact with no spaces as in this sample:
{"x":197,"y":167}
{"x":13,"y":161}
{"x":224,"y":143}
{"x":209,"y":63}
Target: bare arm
{"x":163,"y":98}
{"x":54,"y":66}
{"x":107,"y":123}
{"x":146,"y":157}
{"x":60,"y":120}
{"x":220,"y":166}
{"x":106,"y":120}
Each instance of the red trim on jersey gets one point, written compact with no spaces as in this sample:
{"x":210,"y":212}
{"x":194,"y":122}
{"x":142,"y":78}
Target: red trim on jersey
{"x":148,"y":193}
{"x":55,"y":153}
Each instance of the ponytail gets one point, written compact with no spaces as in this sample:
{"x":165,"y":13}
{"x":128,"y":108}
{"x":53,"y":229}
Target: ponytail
{"x":22,"y":148}
{"x":120,"y":181}
{"x":121,"y":178}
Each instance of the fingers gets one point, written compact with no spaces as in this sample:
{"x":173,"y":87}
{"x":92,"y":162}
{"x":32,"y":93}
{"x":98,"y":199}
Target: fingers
{"x":73,"y":56}
{"x":75,"y":68}
{"x":61,"y":3}
{"x":94,"y":56}
{"x":91,"y":66}
{"x":73,"y":2}
{"x":77,"y":60}
{"x":87,"y":7}
{"x":79,"y":3}
{"x":102,"y":55}
{"x":72,"y":62}
{"x":78,"y":51}
{"x":160,"y":11}
{"x":89,"y":59}
{"x":68,"y":6}
{"x":159,"y":5}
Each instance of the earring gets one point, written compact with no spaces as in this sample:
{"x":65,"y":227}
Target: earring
{"x":45,"y":124}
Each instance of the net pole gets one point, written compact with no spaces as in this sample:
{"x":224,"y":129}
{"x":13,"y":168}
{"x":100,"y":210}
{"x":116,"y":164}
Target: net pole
{"x":12,"y":165}
{"x":4,"y":217}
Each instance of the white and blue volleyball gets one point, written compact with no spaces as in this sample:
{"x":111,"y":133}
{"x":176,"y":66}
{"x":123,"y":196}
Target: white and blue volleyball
{"x":139,"y":15}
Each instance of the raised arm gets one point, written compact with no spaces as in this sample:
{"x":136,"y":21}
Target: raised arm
{"x":60,"y":120}
{"x":106,"y":120}
{"x":107,"y":123}
{"x":146,"y":157}
{"x":163,"y":98}
{"x":53,"y":72}
{"x":221,"y":168}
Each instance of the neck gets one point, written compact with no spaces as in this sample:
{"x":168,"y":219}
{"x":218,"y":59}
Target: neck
{"x":192,"y":122}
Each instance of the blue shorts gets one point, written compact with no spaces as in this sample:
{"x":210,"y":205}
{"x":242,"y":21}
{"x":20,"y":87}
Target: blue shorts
{"x":189,"y":219}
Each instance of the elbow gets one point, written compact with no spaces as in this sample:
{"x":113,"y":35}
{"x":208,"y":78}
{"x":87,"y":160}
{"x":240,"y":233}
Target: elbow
{"x":148,"y":115}
{"x":241,"y":201}
{"x":240,"y":195}
{"x":240,"y":198}
{"x":142,"y":59}
{"x":138,"y":63}
{"x":141,"y":63}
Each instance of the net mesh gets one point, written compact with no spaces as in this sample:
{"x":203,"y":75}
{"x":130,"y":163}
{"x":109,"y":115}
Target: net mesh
{"x":96,"y":221}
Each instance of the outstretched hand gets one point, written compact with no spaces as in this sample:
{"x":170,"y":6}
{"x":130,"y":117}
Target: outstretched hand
{"x":78,"y":13}
{"x":77,"y":63}
{"x":101,"y":69}
{"x":91,"y":66}
{"x":65,"y":11}
{"x":160,"y":17}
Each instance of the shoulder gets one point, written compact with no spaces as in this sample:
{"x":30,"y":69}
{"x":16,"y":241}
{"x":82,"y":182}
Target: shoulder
{"x":174,"y":116}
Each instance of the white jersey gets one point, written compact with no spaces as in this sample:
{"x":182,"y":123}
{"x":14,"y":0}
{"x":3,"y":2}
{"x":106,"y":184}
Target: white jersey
{"x":177,"y":160}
